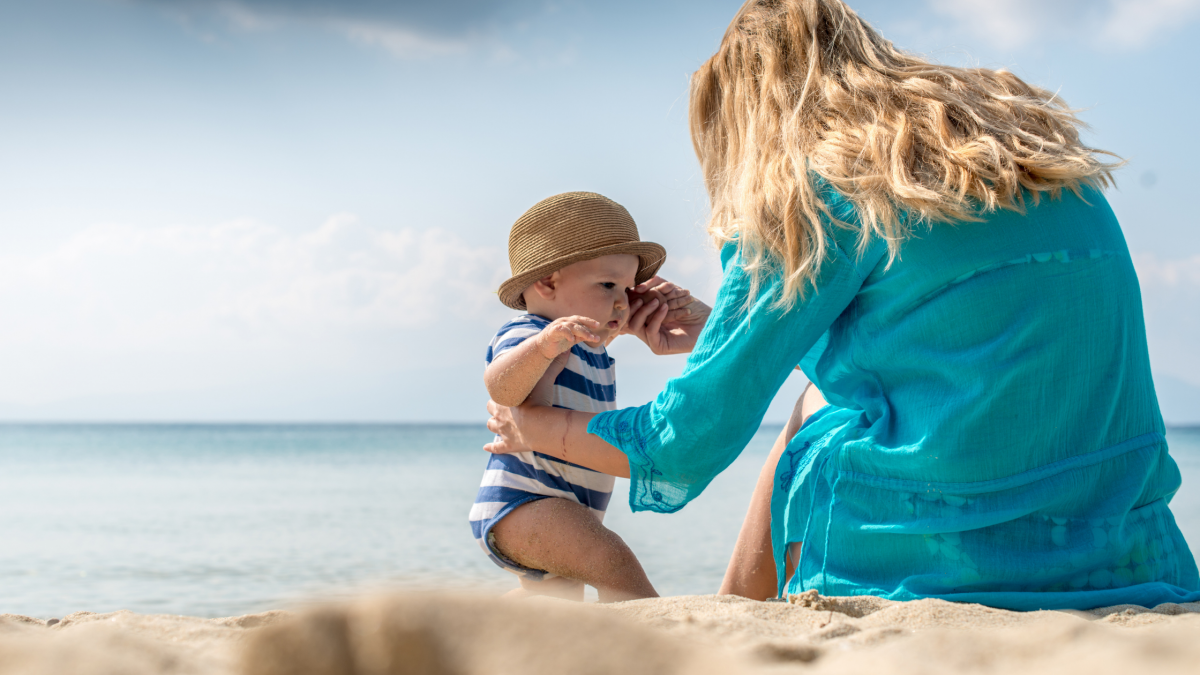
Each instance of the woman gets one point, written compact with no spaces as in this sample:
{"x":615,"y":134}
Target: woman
{"x":931,"y":245}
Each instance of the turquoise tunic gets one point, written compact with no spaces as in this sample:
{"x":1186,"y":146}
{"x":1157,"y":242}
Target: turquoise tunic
{"x":993,"y":434}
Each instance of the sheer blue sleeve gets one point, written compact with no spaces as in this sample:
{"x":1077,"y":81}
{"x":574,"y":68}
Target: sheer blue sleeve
{"x":703,"y":419}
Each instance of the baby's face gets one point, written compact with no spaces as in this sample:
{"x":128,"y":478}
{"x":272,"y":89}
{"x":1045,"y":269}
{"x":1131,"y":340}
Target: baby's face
{"x":596,"y":289}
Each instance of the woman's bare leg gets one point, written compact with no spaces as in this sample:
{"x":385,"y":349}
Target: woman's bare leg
{"x":751,"y":571}
{"x":565,"y":538}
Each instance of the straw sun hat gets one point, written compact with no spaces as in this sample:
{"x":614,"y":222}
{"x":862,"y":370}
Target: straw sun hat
{"x":569,"y":228}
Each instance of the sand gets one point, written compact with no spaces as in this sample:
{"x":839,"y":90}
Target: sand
{"x":431,"y":633}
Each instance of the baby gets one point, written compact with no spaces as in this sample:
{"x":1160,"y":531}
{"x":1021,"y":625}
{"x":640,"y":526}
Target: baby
{"x":574,"y":256}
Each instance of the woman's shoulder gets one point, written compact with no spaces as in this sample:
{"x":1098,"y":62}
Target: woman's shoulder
{"x":1063,"y":226}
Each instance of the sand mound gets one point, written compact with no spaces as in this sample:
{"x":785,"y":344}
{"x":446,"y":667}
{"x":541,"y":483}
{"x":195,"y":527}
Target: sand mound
{"x":435,"y":634}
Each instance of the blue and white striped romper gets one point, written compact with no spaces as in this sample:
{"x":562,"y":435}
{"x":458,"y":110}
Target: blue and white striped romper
{"x":586,"y":384}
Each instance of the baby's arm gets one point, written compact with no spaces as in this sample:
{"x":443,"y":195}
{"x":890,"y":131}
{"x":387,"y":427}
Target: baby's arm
{"x":512,"y":376}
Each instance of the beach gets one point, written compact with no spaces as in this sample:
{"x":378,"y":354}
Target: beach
{"x":268,"y":267}
{"x":473,"y":633}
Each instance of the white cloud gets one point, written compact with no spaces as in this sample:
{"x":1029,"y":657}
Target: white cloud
{"x":344,"y":275}
{"x":1133,"y":23}
{"x":118,"y":308}
{"x":245,"y":320}
{"x":1182,"y":274}
{"x":398,"y":41}
{"x":388,"y":27}
{"x":1005,"y":23}
{"x":244,"y":18}
{"x":1010,"y":24}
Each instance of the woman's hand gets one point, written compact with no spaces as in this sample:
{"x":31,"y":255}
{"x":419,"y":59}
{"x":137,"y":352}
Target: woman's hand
{"x":666,"y":317}
{"x":505,"y":423}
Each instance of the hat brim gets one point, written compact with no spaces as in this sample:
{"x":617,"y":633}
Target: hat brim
{"x":651,"y":256}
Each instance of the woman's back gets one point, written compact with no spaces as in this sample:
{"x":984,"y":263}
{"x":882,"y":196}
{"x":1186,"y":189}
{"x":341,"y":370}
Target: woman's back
{"x":988,"y":335}
{"x":993,"y":401}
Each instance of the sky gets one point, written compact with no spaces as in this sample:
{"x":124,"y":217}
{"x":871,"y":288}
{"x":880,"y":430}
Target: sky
{"x":297,"y":210}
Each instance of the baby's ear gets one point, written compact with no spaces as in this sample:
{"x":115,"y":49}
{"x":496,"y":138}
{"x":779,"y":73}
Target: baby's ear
{"x":546,"y":285}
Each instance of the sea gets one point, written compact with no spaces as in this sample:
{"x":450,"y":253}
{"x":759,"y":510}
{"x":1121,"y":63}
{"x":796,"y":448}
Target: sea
{"x":227,"y":519}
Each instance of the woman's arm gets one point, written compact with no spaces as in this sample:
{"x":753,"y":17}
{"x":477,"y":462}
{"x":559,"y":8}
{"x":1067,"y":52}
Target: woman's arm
{"x":705,"y":417}
{"x":553,"y":431}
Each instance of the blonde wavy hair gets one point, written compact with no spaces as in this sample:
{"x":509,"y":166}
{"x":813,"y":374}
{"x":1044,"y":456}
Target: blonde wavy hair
{"x":805,"y":88}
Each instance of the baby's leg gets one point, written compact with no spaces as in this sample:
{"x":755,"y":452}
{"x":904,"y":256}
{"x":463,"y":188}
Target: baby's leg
{"x":565,"y":538}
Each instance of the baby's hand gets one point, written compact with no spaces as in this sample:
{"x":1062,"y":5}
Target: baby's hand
{"x":563,"y":333}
